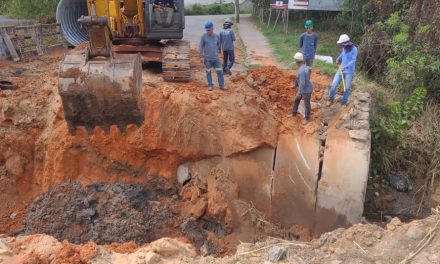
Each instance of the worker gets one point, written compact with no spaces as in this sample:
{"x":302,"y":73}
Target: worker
{"x":308,"y":42}
{"x":305,"y":87}
{"x":346,"y":63}
{"x":164,"y":6}
{"x":227,"y":38}
{"x":209,"y":50}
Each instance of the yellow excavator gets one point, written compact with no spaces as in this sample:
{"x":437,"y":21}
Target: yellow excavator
{"x":100,"y":83}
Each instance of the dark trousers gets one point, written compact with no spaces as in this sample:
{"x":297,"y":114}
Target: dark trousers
{"x":228,"y":59}
{"x":306,"y":97}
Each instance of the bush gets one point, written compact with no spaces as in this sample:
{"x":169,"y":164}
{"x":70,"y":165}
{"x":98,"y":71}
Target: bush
{"x":30,"y":9}
{"x":390,"y":126}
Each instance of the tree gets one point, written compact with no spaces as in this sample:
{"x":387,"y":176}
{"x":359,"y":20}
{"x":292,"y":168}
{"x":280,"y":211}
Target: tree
{"x":237,"y":11}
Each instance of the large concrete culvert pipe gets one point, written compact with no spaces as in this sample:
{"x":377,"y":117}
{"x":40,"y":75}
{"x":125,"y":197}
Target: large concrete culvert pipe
{"x":68,"y":12}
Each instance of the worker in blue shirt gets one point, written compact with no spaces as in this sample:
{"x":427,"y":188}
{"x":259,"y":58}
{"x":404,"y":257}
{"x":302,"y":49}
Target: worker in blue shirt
{"x":305,"y":88}
{"x":308,"y":42}
{"x":227,"y":38}
{"x":209,"y":50}
{"x":346,"y":62}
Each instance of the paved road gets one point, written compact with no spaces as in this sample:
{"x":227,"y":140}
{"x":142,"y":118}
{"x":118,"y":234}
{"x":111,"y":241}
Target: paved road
{"x":258,"y":48}
{"x":259,"y":52}
{"x":194,"y":27}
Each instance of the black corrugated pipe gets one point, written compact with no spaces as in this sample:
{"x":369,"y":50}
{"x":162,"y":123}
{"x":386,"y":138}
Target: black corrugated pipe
{"x":68,"y":13}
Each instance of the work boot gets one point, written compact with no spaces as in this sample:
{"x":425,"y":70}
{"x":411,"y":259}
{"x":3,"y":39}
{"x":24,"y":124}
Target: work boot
{"x":294,"y":114}
{"x":228,"y":71}
{"x":210,"y":88}
{"x":305,"y":121}
{"x":223,"y":88}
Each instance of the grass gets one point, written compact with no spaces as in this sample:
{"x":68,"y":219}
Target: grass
{"x":286,"y":45}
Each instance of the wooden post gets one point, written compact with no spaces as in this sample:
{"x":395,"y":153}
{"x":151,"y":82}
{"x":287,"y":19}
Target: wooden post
{"x":10,"y":46}
{"x":270,"y":15}
{"x":276,"y":20}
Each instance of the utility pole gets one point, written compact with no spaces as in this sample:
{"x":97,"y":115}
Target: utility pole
{"x":237,"y":11}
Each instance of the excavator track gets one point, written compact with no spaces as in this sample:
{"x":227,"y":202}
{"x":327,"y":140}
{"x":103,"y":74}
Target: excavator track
{"x":176,"y":61}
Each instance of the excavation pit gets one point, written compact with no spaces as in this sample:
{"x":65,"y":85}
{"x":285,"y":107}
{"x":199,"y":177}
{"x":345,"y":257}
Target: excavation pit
{"x":254,"y":170}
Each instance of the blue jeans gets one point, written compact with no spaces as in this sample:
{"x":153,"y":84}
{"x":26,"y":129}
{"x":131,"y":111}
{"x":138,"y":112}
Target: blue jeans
{"x":337,"y":81}
{"x":228,"y":59}
{"x":218,"y":68}
{"x":306,"y":97}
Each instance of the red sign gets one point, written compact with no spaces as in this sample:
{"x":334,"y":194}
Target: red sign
{"x":277,"y":4}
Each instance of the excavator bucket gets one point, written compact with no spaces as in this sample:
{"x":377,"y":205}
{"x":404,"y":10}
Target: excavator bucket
{"x":102,"y":91}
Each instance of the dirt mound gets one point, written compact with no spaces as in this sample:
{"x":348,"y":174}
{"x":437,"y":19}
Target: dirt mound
{"x":275,"y":86}
{"x":101,"y":212}
{"x":415,"y":242}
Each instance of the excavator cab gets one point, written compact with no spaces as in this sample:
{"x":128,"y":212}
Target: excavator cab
{"x":100,"y":84}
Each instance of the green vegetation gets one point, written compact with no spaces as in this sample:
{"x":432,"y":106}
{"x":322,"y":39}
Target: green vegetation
{"x":30,"y":9}
{"x":212,"y":9}
{"x":286,"y":45}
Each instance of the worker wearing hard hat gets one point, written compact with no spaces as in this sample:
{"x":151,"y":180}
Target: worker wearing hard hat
{"x":308,"y":42}
{"x":346,"y":62}
{"x":209,"y":50}
{"x":227,"y":38}
{"x":305,"y":87}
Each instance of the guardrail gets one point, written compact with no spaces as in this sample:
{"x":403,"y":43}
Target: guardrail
{"x":24,"y":42}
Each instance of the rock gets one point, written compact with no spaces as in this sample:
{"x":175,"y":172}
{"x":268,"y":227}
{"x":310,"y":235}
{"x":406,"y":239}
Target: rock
{"x":16,"y":165}
{"x":415,"y":232}
{"x":363,"y":97}
{"x":4,"y":251}
{"x":360,"y":135}
{"x":170,"y":247}
{"x":183,"y":175}
{"x":215,"y":97}
{"x":393,"y":224}
{"x":400,"y":183}
{"x":377,"y":234}
{"x":13,"y":215}
{"x":151,"y":258}
{"x":387,"y":218}
{"x":276,"y":254}
{"x":250,"y":81}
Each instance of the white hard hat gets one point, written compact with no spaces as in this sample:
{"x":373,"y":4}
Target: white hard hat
{"x":228,"y":21}
{"x":343,"y":38}
{"x":299,"y":56}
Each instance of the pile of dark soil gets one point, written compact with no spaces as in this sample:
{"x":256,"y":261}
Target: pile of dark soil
{"x":103,"y":213}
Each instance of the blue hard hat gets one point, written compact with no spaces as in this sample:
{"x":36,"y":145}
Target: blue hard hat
{"x":209,"y":25}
